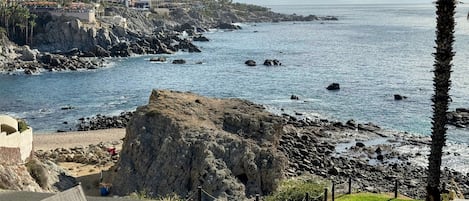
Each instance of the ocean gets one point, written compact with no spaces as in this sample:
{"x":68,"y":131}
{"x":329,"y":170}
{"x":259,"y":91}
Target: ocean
{"x":374,"y":51}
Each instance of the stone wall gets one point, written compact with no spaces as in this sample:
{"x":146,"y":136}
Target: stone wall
{"x":10,"y":156}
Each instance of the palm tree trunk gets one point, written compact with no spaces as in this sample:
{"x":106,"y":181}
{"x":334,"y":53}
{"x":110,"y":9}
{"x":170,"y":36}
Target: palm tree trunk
{"x":26,"y":39}
{"x":32,"y":32}
{"x":441,"y":82}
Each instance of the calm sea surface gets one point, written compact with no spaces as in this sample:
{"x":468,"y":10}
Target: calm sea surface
{"x":373,"y":51}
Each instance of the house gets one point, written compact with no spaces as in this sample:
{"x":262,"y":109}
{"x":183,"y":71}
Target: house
{"x":82,"y":11}
{"x":16,"y":144}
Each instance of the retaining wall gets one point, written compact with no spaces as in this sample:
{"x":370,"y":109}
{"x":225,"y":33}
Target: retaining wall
{"x":16,"y":141}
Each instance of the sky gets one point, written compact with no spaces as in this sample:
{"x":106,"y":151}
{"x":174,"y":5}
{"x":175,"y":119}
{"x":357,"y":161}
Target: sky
{"x":302,"y":2}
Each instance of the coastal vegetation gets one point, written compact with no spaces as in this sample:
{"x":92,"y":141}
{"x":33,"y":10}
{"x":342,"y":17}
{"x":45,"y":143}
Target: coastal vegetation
{"x":297,"y":188}
{"x":22,"y":125}
{"x":18,"y":23}
{"x":441,"y":82}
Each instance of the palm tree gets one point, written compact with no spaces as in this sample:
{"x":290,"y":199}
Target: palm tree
{"x":441,"y":82}
{"x":32,"y":23}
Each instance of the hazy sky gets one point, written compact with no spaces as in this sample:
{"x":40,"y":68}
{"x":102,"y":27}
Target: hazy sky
{"x":281,"y":2}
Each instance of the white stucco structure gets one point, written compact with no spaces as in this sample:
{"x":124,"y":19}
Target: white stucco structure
{"x":87,"y":15}
{"x":11,"y":137}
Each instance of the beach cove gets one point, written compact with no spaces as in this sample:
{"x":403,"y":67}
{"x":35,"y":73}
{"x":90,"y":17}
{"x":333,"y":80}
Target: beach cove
{"x":373,"y":51}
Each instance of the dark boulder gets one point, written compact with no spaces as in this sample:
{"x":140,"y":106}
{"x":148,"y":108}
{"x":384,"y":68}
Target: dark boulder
{"x":399,"y":97}
{"x":329,"y":18}
{"x":55,"y":61}
{"x":179,"y":61}
{"x":187,"y":45}
{"x":185,"y":27}
{"x":99,"y":51}
{"x":360,"y":144}
{"x":460,"y":110}
{"x":88,"y":54}
{"x":333,"y":86}
{"x":201,"y":38}
{"x":121,"y":50}
{"x":136,"y":48}
{"x":272,"y":62}
{"x":73,"y":52}
{"x":31,"y":70}
{"x":46,"y":58}
{"x":351,"y":123}
{"x":250,"y":63}
{"x":294,"y":97}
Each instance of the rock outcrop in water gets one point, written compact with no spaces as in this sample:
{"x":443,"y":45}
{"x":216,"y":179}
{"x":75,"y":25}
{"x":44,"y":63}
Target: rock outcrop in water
{"x":459,"y":117}
{"x":180,"y":141}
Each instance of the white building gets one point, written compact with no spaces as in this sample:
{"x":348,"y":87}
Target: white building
{"x":16,"y":146}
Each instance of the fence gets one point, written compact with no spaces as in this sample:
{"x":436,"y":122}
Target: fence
{"x":202,"y":195}
{"x":348,"y":189}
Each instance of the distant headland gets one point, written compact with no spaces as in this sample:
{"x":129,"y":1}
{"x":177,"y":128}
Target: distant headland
{"x":74,"y":36}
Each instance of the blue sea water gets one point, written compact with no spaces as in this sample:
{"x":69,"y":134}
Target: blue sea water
{"x":374,"y":51}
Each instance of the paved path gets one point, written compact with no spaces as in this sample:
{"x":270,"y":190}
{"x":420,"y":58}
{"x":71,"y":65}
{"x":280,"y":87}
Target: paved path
{"x":32,"y":196}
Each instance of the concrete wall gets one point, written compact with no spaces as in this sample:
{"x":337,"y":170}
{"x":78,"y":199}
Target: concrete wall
{"x":8,"y":124}
{"x":10,"y":156}
{"x":23,"y":140}
{"x":85,"y":15}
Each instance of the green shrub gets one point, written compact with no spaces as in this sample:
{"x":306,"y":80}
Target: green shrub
{"x":22,"y":125}
{"x":173,"y":197}
{"x":37,"y":172}
{"x":295,"y":189}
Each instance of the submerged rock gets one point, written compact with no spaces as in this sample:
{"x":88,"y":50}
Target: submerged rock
{"x":272,"y":62}
{"x":179,"y":61}
{"x":399,"y":97}
{"x":459,"y":117}
{"x":250,"y":63}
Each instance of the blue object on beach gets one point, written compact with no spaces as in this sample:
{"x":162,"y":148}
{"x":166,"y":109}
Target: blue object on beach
{"x":104,"y":191}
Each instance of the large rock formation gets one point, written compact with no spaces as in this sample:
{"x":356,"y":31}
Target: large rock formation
{"x":180,"y":141}
{"x":67,"y":33}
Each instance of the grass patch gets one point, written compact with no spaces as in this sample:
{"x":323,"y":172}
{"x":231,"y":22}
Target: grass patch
{"x":295,"y":189}
{"x":370,"y":197}
{"x":22,"y":125}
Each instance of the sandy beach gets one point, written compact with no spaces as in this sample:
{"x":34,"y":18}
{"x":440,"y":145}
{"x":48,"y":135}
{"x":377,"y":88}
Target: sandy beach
{"x":78,"y":138}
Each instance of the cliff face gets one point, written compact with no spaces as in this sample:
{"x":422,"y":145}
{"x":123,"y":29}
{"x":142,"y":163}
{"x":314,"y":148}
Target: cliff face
{"x":180,"y":141}
{"x":65,"y":34}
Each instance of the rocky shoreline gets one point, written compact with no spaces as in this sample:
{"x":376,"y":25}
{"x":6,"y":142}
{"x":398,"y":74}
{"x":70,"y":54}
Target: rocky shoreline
{"x":459,"y":117}
{"x":66,"y":43}
{"x":337,"y":151}
{"x":104,"y":122}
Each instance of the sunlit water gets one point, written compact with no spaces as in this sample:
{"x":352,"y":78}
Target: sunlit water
{"x":373,"y":51}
